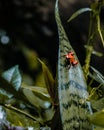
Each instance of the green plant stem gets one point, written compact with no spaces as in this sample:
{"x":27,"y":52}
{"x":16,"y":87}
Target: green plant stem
{"x":22,"y":112}
{"x":94,"y":91}
{"x":90,"y":83}
{"x":99,"y":29}
{"x":94,"y":28}
{"x":89,"y":45}
{"x":87,"y":60}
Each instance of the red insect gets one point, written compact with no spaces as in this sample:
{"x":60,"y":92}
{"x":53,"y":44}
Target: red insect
{"x":70,"y":59}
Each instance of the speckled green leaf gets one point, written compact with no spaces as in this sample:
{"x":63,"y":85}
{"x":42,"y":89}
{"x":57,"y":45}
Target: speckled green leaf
{"x":72,"y":88}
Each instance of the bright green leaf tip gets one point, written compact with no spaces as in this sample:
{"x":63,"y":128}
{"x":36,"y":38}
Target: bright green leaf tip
{"x":78,"y":12}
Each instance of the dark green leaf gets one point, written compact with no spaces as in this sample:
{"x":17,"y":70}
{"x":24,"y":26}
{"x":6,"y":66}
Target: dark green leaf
{"x":31,"y":58}
{"x":39,"y":97}
{"x":13,"y":76}
{"x":48,"y":78}
{"x":40,"y":92}
{"x":18,"y":119}
{"x":5,"y":85}
{"x":3,"y":98}
{"x":35,"y":98}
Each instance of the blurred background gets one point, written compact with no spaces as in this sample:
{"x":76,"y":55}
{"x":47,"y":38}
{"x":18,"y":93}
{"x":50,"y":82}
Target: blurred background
{"x":28,"y":29}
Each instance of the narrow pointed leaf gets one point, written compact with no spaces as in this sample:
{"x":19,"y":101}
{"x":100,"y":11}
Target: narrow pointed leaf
{"x":48,"y":78}
{"x":97,"y":75}
{"x":31,"y":58}
{"x":77,"y":13}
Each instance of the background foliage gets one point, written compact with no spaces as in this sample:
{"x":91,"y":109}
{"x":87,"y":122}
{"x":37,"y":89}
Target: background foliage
{"x":28,"y":88}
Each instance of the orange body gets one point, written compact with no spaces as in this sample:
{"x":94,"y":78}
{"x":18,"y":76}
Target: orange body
{"x":71,"y":58}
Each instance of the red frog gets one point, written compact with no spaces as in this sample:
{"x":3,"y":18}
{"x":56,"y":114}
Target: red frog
{"x":70,"y":59}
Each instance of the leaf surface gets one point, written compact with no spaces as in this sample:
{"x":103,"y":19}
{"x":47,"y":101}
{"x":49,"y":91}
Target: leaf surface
{"x":13,"y":76}
{"x":78,"y":12}
{"x":97,"y":118}
{"x":72,"y":88}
